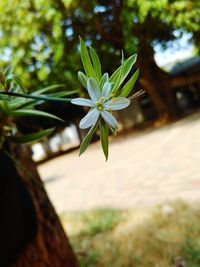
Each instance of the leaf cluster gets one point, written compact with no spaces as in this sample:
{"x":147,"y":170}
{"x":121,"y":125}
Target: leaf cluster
{"x":15,"y":102}
{"x":120,"y":87}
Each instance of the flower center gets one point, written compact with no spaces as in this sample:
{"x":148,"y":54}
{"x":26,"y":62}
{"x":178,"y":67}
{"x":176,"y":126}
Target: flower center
{"x":99,"y":105}
{"x":112,"y":95}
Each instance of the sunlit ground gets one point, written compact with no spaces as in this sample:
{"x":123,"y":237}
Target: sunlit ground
{"x":143,"y":169}
{"x":108,"y":209}
{"x":164,"y":236}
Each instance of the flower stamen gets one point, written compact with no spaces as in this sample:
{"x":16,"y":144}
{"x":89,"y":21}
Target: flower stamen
{"x":114,"y":100}
{"x":112,"y":95}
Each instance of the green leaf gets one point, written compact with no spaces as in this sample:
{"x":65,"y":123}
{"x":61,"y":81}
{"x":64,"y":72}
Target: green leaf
{"x":18,"y":81}
{"x":96,"y":63}
{"x":48,"y":89}
{"x":104,"y":79}
{"x":120,"y":76}
{"x":104,"y":134}
{"x":30,"y":103}
{"x":2,"y":77}
{"x":30,"y":137}
{"x":61,"y":94}
{"x":129,"y":85}
{"x":29,"y":112}
{"x":8,"y":70}
{"x":87,"y":139}
{"x":82,"y":78}
{"x":128,"y":64}
{"x":86,"y":60}
{"x":16,"y":103}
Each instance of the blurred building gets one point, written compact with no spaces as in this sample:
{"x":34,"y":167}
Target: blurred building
{"x":185,"y":80}
{"x":64,"y":140}
{"x":185,"y":86}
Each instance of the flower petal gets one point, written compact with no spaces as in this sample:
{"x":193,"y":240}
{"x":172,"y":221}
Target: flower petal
{"x":106,"y":89}
{"x":117,"y":103}
{"x":93,"y":89}
{"x":90,"y":119}
{"x":82,"y":102}
{"x":112,"y":122}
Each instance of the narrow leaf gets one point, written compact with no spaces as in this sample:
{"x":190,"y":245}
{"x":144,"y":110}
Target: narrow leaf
{"x":86,"y":60}
{"x":82,"y":78}
{"x":8,"y":70}
{"x":30,"y":137}
{"x":128,"y":64}
{"x":120,"y":76}
{"x":48,"y":89}
{"x":28,"y":112}
{"x":129,"y":85}
{"x":87,"y":139}
{"x":104,"y":79}
{"x":62,"y":94}
{"x":96,"y":63}
{"x":18,"y":81}
{"x":137,"y":95}
{"x":104,"y":133}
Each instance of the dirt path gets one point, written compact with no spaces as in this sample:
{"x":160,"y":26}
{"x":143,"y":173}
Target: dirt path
{"x":143,"y":169}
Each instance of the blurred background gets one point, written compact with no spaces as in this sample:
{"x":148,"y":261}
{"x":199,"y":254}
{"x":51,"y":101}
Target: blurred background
{"x":141,"y":208}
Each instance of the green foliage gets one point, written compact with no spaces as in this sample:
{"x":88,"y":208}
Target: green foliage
{"x":89,"y":68}
{"x":28,"y":138}
{"x":127,"y":66}
{"x":128,"y":87}
{"x":99,"y":221}
{"x":14,"y":103}
{"x":29,"y":112}
{"x":90,"y":259}
{"x":96,"y":63}
{"x":82,"y":79}
{"x":94,"y":221}
{"x":93,"y":69}
{"x":104,"y":133}
{"x":48,"y":52}
{"x":87,"y":139}
{"x":145,"y":237}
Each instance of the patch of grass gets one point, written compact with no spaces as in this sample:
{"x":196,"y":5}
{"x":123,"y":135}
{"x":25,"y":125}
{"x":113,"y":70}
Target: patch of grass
{"x":164,"y":236}
{"x":92,"y":222}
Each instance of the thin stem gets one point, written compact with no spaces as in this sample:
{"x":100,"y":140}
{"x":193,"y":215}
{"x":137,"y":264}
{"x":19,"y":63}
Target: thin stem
{"x":137,"y":95}
{"x":48,"y":98}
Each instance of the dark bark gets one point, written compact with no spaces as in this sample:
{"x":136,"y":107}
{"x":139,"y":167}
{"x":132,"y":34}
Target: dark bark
{"x":156,"y":82}
{"x":18,"y":224}
{"x":39,"y":238}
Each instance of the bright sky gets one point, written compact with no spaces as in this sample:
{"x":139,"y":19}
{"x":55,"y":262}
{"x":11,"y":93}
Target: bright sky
{"x":179,"y":51}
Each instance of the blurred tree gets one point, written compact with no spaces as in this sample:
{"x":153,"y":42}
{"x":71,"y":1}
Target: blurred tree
{"x":42,"y":37}
{"x":30,"y":231}
{"x":137,"y":26}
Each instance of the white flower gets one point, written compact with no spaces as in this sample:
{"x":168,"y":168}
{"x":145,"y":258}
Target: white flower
{"x":102,"y":103}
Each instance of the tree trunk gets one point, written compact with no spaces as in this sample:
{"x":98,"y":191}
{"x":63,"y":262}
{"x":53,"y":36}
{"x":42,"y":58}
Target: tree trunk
{"x":156,"y":82}
{"x":39,"y":239}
